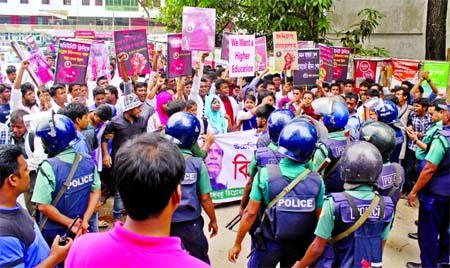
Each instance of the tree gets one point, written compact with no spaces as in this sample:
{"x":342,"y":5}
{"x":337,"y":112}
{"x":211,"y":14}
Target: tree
{"x":436,"y":31}
{"x":260,"y":17}
{"x":357,"y":33}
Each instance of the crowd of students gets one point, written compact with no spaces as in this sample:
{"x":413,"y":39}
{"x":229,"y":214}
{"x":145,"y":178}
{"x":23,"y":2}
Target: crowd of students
{"x":98,"y":122}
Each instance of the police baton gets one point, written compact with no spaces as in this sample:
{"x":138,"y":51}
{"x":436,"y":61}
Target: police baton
{"x":233,"y":222}
{"x":324,"y":164}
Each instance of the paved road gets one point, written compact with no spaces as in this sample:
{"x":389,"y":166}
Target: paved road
{"x":399,"y":248}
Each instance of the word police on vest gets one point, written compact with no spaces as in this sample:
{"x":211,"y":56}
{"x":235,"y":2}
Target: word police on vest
{"x":388,"y":180}
{"x":361,"y":209}
{"x":81,"y":181}
{"x":189,"y":178}
{"x":297,"y":204}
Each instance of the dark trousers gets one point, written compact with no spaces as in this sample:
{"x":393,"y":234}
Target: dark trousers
{"x":275,"y":253}
{"x":409,"y":165}
{"x":433,"y":229}
{"x":192,"y":236}
{"x":108,"y":189}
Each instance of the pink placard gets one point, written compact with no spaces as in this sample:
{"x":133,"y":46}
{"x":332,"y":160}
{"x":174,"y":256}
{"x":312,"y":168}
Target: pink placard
{"x":199,"y":28}
{"x":179,"y":61}
{"x":261,"y":53}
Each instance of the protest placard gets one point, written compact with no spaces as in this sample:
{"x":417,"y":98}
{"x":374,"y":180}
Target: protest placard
{"x":227,"y":164}
{"x":38,"y":62}
{"x":98,"y":61}
{"x":261,"y":53}
{"x":179,"y":61}
{"x":308,"y":67}
{"x":242,"y":55}
{"x":340,"y":62}
{"x":403,"y":69}
{"x":438,"y":73}
{"x":326,"y":63}
{"x":225,"y":51}
{"x":72,"y":62}
{"x":199,"y":28}
{"x":134,"y":44}
{"x":364,"y":68}
{"x":285,"y":51}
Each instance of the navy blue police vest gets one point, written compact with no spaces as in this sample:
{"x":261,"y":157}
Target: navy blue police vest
{"x":293,"y":218}
{"x":332,"y":180}
{"x":399,"y":140}
{"x":189,"y":208}
{"x":440,"y":182}
{"x":390,"y":182}
{"x":75,"y":199}
{"x":365,"y":243}
{"x":265,"y":156}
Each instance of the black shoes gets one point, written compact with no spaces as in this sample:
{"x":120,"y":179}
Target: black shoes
{"x":413,"y":236}
{"x":412,"y":264}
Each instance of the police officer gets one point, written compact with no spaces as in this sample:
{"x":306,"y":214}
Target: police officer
{"x":280,"y":237}
{"x":361,"y":164}
{"x":387,"y":113}
{"x":80,"y":198}
{"x":267,"y":155}
{"x":335,"y":117}
{"x":433,"y":188}
{"x":187,"y":223}
{"x":392,"y":176}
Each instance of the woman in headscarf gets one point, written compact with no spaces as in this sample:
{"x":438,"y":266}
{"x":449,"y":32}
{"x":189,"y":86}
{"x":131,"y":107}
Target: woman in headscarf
{"x":159,"y":119}
{"x":213,"y":112}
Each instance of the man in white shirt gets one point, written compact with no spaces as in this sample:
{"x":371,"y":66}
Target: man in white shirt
{"x":23,"y":97}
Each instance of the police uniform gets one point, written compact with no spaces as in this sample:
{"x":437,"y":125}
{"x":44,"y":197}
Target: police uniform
{"x":434,"y":207}
{"x":50,"y":180}
{"x":391,"y":180}
{"x":435,"y":128}
{"x":365,"y":243}
{"x":399,"y":142}
{"x":187,"y":222}
{"x":335,"y":145}
{"x":264,"y":156}
{"x":283,"y":242}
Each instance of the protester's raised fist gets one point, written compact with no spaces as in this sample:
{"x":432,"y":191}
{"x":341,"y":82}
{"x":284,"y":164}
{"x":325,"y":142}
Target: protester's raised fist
{"x":25,"y":64}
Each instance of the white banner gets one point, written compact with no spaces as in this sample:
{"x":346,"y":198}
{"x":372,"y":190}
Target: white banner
{"x":227,"y":163}
{"x":242,"y":55}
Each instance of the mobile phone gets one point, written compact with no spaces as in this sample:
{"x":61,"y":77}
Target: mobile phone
{"x":63,"y":239}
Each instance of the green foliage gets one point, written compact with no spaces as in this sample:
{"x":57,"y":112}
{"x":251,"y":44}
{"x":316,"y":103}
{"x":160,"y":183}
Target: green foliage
{"x":359,"y":32}
{"x":261,"y":17}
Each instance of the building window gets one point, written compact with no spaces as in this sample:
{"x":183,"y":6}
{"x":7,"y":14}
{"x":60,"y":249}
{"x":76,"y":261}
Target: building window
{"x":67,"y":2}
{"x":99,"y":2}
{"x":85,"y":2}
{"x":121,"y":5}
{"x":24,"y":1}
{"x":46,"y":2}
{"x":3,"y":1}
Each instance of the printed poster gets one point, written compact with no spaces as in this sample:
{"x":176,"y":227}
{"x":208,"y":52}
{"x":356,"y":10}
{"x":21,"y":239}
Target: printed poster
{"x":261,"y":53}
{"x":134,"y":44}
{"x":38,"y":62}
{"x":199,"y":28}
{"x":308,"y":67}
{"x":227,"y":164}
{"x":364,"y":68}
{"x":340,"y":62}
{"x":225,"y":51}
{"x":285,"y":50}
{"x":326,"y":63}
{"x":98,"y":61}
{"x":179,"y":61}
{"x":72,"y":62}
{"x":404,"y":70}
{"x":242,"y":55}
{"x":438,"y":74}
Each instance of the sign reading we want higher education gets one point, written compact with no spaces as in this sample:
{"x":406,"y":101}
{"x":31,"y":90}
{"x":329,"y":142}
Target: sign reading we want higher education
{"x":242,"y":55}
